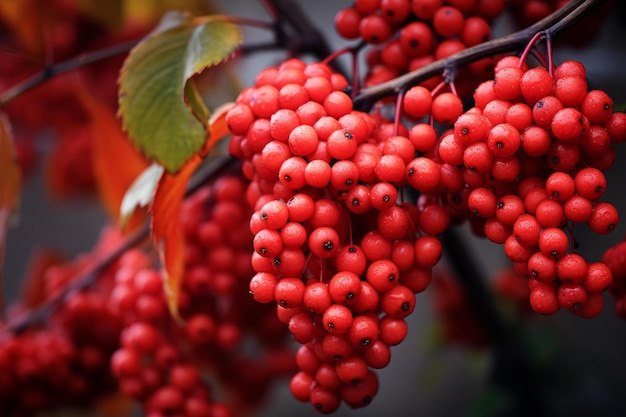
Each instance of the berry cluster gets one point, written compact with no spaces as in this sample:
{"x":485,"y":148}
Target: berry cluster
{"x":119,"y":329}
{"x":408,"y":35}
{"x":159,"y":362}
{"x":335,"y":247}
{"x":532,"y":154}
{"x":64,"y":363}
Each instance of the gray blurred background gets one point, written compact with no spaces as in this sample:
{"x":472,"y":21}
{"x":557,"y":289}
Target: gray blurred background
{"x":589,"y":374}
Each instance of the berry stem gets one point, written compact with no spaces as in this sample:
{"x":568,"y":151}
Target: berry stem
{"x":396,"y":117}
{"x":528,"y":48}
{"x":307,"y":39}
{"x":552,"y":25}
{"x":549,"y":53}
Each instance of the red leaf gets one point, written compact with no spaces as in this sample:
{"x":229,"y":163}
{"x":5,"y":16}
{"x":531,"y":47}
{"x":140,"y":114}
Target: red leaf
{"x":166,"y":230}
{"x":116,"y":163}
{"x":10,"y":187}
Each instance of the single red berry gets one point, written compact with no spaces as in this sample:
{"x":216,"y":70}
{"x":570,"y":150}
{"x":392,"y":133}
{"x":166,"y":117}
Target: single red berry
{"x":542,"y":267}
{"x":382,"y":274}
{"x":470,"y":128}
{"x":423,"y":174}
{"x":603,"y":219}
{"x":289,"y":292}
{"x":363,"y":332}
{"x":572,"y":296}
{"x":590,"y":183}
{"x":527,"y":229}
{"x":344,"y":287}
{"x":549,"y":213}
{"x":571,"y":267}
{"x":482,"y":202}
{"x":597,"y":106}
{"x":448,"y":21}
{"x":428,"y":251}
{"x":598,"y":278}
{"x":543,"y":299}
{"x":553,"y":242}
{"x":507,"y":83}
{"x":446,"y":108}
{"x":262,"y":287}
{"x":393,"y":330}
{"x":398,"y":302}
{"x":351,"y":258}
{"x":535,"y":84}
{"x":417,"y":101}
{"x":374,"y":29}
{"x":337,"y":319}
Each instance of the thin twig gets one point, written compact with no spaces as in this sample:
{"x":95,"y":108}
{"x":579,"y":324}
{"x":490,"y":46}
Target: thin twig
{"x":65,"y":66}
{"x":89,"y":276}
{"x":553,"y":25}
{"x":310,"y":39}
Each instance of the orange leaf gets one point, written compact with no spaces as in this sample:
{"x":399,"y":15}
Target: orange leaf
{"x":116,"y":162}
{"x":166,"y":230}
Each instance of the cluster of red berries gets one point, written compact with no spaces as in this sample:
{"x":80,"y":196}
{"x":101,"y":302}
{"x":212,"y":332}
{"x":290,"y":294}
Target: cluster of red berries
{"x":46,"y":370}
{"x":334,"y":246}
{"x":151,"y":368}
{"x":119,"y":329}
{"x":533,"y":151}
{"x":160,"y":362}
{"x":65,"y":362}
{"x":407,"y":35}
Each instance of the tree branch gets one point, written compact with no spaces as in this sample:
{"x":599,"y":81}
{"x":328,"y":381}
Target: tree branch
{"x":552,"y":25}
{"x":65,"y":66}
{"x":20,"y":323}
{"x":310,"y":40}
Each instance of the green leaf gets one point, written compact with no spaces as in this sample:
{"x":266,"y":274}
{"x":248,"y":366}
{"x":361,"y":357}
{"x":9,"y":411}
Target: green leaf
{"x":159,"y":103}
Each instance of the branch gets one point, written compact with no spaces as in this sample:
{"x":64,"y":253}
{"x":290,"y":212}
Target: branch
{"x":310,"y":40}
{"x":65,"y":66}
{"x":552,"y":26}
{"x":510,"y":369}
{"x":20,"y":323}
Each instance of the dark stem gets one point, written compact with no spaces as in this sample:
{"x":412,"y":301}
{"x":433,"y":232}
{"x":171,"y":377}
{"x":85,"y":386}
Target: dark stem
{"x":65,"y":66}
{"x":510,"y":369}
{"x":310,"y":39}
{"x":553,"y":25}
{"x":5,"y":214}
{"x":18,"y":324}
